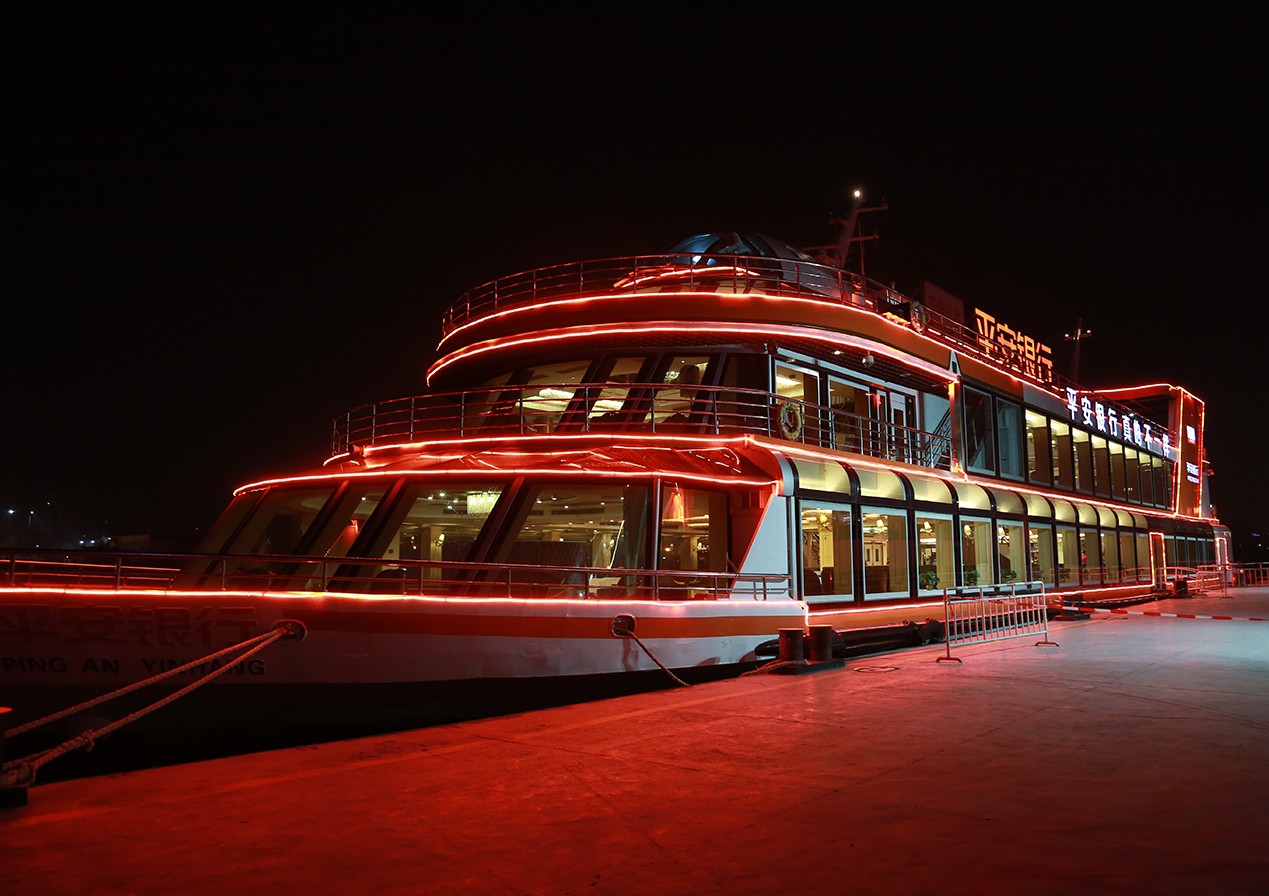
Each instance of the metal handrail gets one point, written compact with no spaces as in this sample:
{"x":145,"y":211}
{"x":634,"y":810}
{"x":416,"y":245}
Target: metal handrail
{"x":104,"y":570}
{"x":638,"y":407}
{"x":808,"y":280}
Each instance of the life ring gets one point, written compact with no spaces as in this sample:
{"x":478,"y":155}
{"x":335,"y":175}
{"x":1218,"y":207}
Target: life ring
{"x":789,"y":416}
{"x":916,"y":314}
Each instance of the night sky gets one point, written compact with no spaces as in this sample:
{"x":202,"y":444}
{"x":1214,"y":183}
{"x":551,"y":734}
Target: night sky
{"x":224,"y":229}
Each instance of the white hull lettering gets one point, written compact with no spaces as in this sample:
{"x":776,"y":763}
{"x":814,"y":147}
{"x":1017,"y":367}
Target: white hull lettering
{"x":33,"y":664}
{"x":250,"y":667}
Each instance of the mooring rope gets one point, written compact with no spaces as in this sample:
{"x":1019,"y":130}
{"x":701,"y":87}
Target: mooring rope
{"x":21,"y":772}
{"x":773,"y":666}
{"x":622,"y":629}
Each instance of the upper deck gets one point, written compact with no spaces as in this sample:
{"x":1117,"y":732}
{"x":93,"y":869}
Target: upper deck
{"x":606,"y":288}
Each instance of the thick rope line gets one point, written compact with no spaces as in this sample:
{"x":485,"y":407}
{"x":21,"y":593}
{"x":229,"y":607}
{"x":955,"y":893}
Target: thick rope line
{"x":773,"y":666}
{"x":128,"y":689}
{"x":22,"y":772}
{"x":626,"y":632}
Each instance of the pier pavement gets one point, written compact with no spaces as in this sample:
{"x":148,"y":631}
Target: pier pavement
{"x":1130,"y":758}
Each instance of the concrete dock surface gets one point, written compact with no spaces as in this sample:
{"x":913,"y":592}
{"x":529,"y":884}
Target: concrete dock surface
{"x":1130,"y":758}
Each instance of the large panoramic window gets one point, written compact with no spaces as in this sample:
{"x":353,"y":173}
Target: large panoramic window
{"x":559,"y":527}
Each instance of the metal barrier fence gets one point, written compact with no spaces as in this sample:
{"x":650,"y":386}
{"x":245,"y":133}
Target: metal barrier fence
{"x":982,"y":615}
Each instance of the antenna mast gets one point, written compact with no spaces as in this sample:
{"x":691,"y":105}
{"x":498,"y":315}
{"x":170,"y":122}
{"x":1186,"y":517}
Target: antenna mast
{"x":838,"y":254}
{"x":1077,"y":337}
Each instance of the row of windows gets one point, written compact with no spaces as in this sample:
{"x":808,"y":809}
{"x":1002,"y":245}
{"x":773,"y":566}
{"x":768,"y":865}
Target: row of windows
{"x":545,"y":534}
{"x":1003,"y":440}
{"x":904,"y":551}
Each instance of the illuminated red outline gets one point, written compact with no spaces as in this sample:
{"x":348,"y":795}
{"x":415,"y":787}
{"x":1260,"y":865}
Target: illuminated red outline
{"x":827,"y":337}
{"x":707,"y":443}
{"x":550,"y":473}
{"x":1157,"y":512}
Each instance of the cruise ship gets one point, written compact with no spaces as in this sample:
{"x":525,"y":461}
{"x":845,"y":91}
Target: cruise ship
{"x":633,"y":467}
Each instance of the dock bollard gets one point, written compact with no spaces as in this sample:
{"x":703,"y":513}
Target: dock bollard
{"x":820,"y":643}
{"x":791,"y":650}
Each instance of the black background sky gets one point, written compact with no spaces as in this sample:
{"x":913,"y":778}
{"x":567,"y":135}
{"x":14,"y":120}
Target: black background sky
{"x":223,"y":229}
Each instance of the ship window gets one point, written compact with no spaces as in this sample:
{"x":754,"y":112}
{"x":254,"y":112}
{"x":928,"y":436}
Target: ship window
{"x":431,"y":528}
{"x":548,"y":391}
{"x":936,"y":552}
{"x":694,"y":535}
{"x":1131,"y":564}
{"x":678,"y":400}
{"x":827,"y":566}
{"x":976,"y":548}
{"x":1060,"y":443}
{"x":1109,"y":546}
{"x":1040,"y":555}
{"x":849,"y":413}
{"x":275,"y":528}
{"x":1039,"y":463}
{"x":570,"y":539}
{"x":1091,"y":567}
{"x":1101,"y":467}
{"x":800,"y":389}
{"x":1010,"y":434}
{"x":1083,"y":460}
{"x":608,"y":405}
{"x":1145,"y":465}
{"x":1012,"y":548}
{"x":1117,"y":469}
{"x":885,"y":552}
{"x":980,"y":454}
{"x":1132,"y":476}
{"x":1068,"y":556}
{"x":281,"y":521}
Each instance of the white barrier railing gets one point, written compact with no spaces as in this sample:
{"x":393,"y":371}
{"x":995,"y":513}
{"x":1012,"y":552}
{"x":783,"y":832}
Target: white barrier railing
{"x":982,"y":615}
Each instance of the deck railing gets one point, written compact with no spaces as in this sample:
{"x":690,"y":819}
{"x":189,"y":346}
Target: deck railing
{"x":100,"y":570}
{"x":691,"y":273}
{"x":632,"y":407}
